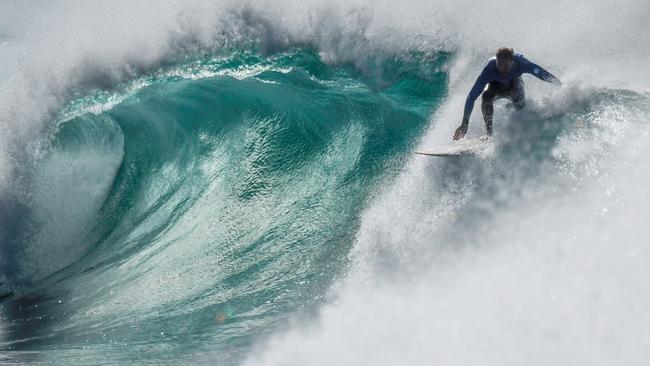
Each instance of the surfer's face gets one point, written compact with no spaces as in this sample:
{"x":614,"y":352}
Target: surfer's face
{"x":504,"y":66}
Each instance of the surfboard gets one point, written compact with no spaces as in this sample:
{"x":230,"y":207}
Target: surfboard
{"x":462,"y":147}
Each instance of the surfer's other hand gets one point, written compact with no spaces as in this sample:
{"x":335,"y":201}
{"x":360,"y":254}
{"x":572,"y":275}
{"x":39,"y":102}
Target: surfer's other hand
{"x":460,"y":132}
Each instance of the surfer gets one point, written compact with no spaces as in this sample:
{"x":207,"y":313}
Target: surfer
{"x":502,"y":75}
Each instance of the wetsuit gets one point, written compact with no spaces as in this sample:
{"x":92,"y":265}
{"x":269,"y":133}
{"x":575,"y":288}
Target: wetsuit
{"x":502,"y":86}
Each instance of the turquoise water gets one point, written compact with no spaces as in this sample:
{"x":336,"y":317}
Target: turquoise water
{"x":232,"y":190}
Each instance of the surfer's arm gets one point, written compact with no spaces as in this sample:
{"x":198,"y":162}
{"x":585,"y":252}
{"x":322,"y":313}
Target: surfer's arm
{"x":539,"y":72}
{"x":477,"y":89}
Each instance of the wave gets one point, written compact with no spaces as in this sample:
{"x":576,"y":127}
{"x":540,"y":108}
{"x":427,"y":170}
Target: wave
{"x":232,"y":182}
{"x":212,"y":189}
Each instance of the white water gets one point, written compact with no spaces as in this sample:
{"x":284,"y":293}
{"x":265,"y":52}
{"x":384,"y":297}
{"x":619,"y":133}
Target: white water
{"x":555,"y":269}
{"x":557,"y":276}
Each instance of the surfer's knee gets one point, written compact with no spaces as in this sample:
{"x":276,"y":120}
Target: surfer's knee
{"x":518,"y":97}
{"x":519,"y":104}
{"x":518,"y":93}
{"x":487,"y":99}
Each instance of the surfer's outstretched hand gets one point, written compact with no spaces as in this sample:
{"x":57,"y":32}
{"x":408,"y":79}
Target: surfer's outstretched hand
{"x":460,"y":132}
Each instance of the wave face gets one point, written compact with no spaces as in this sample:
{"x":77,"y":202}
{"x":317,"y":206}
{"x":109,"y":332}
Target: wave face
{"x":234,"y":183}
{"x":209,"y":200}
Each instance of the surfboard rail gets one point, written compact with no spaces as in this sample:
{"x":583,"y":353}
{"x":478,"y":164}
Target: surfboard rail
{"x":460,"y":148}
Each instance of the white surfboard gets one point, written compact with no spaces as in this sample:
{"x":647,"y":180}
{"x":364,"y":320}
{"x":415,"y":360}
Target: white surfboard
{"x":480,"y":146}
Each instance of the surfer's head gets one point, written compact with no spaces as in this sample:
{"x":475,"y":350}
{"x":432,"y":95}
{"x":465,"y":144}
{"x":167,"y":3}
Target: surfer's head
{"x":505,"y":58}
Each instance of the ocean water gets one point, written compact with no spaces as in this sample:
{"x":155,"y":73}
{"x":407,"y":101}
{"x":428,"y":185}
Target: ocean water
{"x":233,"y":183}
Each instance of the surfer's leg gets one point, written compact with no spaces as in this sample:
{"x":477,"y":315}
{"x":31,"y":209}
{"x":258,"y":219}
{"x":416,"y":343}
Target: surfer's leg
{"x":517,"y":93}
{"x":487,"y":105}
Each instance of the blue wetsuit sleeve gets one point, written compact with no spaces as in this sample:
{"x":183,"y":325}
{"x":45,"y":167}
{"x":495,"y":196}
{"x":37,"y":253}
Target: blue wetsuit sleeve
{"x":538,"y":71}
{"x":477,"y":89}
